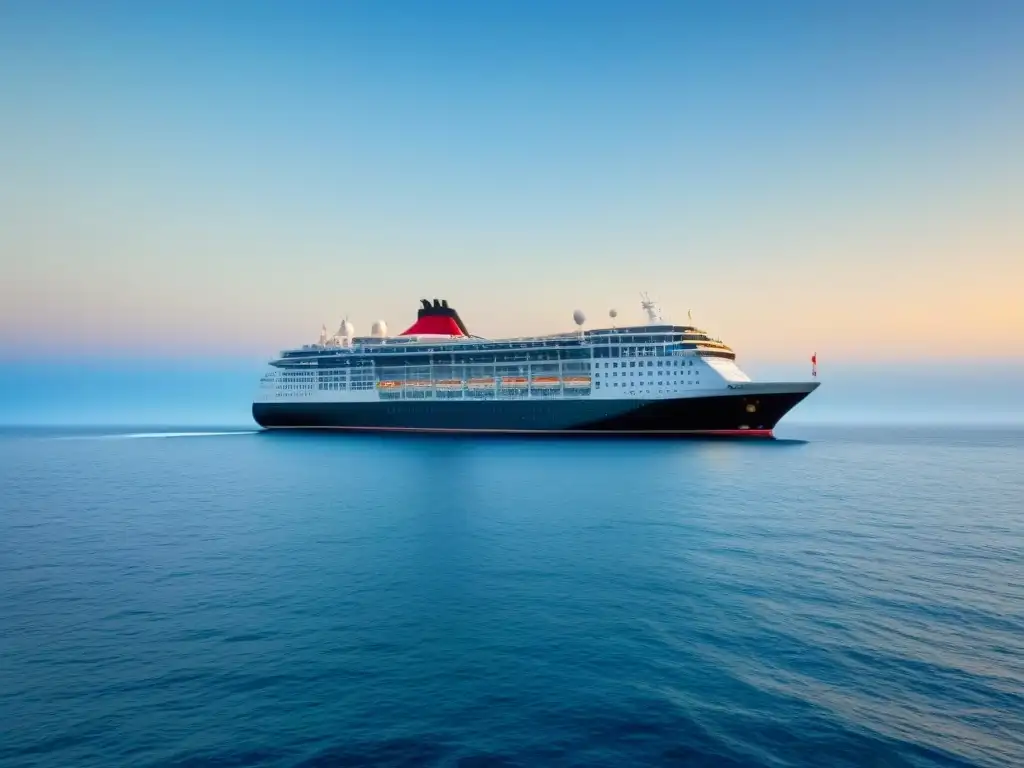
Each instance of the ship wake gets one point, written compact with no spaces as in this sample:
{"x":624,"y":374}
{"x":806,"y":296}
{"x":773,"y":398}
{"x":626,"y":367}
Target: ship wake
{"x":152,"y":435}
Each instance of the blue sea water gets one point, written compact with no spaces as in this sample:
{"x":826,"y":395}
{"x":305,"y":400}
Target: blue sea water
{"x":843,"y":597}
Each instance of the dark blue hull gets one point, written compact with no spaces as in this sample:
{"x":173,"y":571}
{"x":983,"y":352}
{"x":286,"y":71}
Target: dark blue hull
{"x":745,"y":414}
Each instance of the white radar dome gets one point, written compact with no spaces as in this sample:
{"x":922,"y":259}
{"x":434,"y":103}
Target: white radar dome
{"x":347,"y":330}
{"x":578,"y":317}
{"x":380,"y":329}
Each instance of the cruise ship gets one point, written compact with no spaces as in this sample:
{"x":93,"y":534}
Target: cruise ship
{"x":654,"y":378}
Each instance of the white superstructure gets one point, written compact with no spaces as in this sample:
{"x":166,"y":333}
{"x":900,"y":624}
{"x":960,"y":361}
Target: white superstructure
{"x":643,"y":362}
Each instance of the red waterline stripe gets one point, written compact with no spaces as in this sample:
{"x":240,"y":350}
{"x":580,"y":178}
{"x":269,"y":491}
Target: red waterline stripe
{"x":707,"y":432}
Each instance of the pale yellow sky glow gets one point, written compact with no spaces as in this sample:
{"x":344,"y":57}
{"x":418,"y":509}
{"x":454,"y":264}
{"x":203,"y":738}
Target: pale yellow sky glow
{"x":123,"y":290}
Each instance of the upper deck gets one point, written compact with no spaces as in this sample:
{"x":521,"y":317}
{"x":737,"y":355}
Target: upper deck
{"x":631,"y":341}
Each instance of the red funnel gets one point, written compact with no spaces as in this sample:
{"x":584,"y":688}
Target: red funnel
{"x":437,"y":319}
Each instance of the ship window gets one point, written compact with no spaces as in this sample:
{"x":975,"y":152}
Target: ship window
{"x":632,"y":364}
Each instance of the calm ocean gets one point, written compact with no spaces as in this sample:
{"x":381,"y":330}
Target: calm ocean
{"x":846,"y":597}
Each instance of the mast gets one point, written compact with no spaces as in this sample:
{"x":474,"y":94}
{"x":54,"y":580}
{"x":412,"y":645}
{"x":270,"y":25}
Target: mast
{"x":651,"y":308}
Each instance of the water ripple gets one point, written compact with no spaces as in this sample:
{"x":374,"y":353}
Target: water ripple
{"x":853,"y":599}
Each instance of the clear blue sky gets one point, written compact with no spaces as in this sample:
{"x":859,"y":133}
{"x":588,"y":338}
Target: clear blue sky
{"x":195,"y":180}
